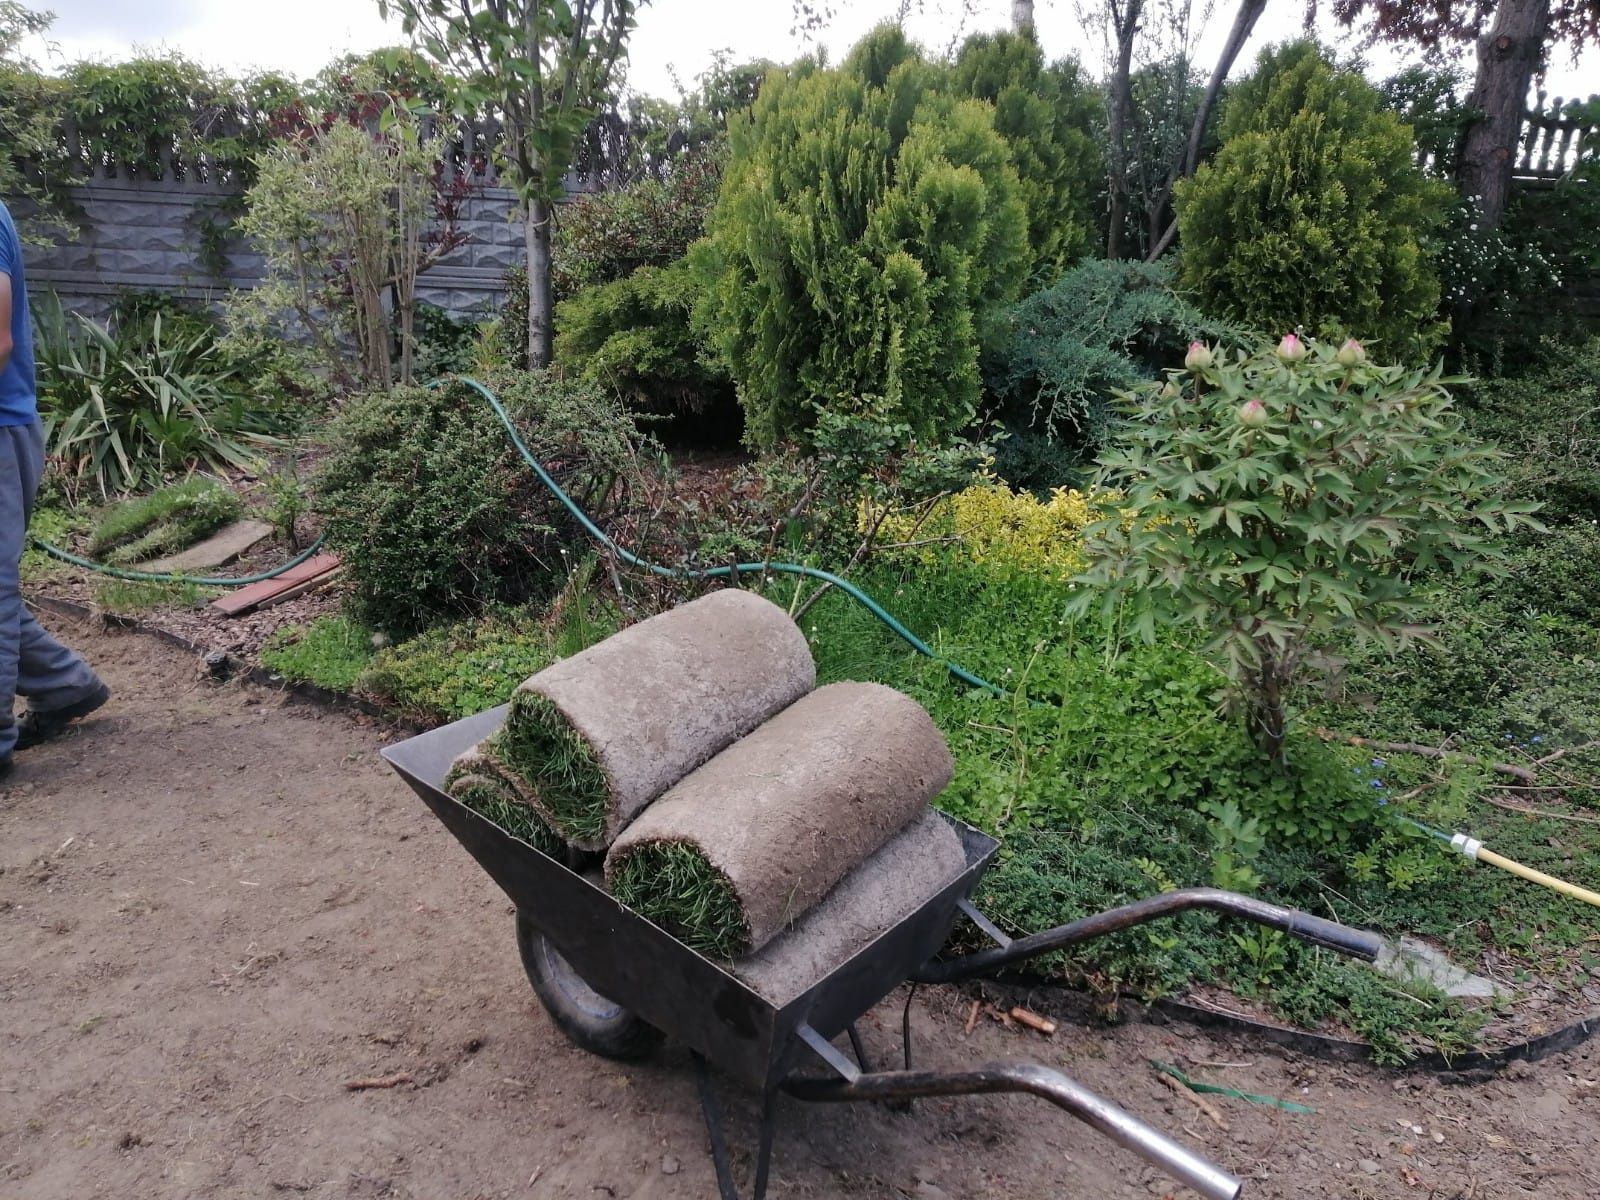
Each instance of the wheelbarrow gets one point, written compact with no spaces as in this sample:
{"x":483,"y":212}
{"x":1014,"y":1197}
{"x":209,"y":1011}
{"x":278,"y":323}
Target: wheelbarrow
{"x":616,"y":984}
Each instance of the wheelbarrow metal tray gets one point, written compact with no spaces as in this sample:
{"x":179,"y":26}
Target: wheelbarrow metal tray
{"x":640,"y":966}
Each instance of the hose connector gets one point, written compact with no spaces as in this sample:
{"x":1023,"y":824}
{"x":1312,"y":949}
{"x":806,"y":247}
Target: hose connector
{"x":1469,"y":846}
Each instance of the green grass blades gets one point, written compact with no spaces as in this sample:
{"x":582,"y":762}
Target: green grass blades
{"x":543,"y":749}
{"x":494,"y":800}
{"x":673,"y":885}
{"x":164,"y":521}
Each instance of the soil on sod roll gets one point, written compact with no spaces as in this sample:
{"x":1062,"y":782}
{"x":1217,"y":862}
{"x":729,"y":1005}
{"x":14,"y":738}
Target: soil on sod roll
{"x":480,"y":781}
{"x":747,"y":844}
{"x":895,"y":882}
{"x":600,"y":735}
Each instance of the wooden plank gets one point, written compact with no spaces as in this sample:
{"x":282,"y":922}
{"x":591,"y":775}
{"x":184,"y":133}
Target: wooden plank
{"x":252,"y":595}
{"x":221,"y":548}
{"x":300,"y":589}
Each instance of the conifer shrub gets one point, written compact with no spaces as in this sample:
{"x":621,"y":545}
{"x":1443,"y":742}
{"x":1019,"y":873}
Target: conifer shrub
{"x":869,"y":225}
{"x":1314,"y":215}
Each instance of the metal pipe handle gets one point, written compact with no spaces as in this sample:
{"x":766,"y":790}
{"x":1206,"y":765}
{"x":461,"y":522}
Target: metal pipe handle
{"x":1358,"y":943}
{"x":1126,"y":1130}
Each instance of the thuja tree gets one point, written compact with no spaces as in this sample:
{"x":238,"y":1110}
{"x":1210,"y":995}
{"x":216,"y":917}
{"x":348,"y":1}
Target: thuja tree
{"x":1314,"y":214}
{"x":1046,"y":112}
{"x":1285,"y":499}
{"x":869,"y":224}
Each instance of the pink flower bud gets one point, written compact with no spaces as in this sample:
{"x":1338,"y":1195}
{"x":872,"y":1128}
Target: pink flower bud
{"x":1199,"y":356}
{"x":1291,"y":349}
{"x":1252,"y":414}
{"x":1351,"y":354}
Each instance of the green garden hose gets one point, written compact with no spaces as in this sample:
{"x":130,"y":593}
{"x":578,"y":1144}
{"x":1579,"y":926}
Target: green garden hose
{"x":731,"y":571}
{"x":173,"y":577}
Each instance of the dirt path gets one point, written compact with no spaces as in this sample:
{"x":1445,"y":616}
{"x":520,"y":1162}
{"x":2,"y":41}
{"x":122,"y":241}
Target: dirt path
{"x":216,"y":908}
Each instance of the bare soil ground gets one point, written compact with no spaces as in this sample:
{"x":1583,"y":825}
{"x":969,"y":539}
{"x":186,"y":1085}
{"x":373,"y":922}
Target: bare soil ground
{"x":217,"y":907}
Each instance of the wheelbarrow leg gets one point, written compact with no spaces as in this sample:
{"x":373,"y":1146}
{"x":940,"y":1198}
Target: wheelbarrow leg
{"x":727,"y":1189}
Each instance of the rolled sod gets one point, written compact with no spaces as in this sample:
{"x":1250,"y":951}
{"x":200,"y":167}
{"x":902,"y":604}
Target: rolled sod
{"x":600,"y":735}
{"x":479,"y":780}
{"x":890,"y":886}
{"x":747,"y":844}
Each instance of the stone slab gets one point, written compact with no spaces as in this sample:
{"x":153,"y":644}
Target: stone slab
{"x":222,"y":547}
{"x":1410,"y":960}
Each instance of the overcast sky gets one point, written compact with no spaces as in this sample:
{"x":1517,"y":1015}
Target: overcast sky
{"x":674,"y":37}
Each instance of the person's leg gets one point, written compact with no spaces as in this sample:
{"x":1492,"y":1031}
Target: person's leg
{"x":14,"y":508}
{"x":51,"y":676}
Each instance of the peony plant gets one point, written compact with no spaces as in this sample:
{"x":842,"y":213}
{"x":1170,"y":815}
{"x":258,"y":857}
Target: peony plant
{"x":1283,"y":498}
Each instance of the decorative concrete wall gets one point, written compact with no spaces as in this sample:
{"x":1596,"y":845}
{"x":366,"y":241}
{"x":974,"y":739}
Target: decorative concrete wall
{"x":148,"y":235}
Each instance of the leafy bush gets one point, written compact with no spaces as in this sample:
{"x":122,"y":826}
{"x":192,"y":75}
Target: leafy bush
{"x":1066,"y":350}
{"x":1313,"y":213}
{"x":164,"y":521}
{"x":868,"y":225}
{"x":125,"y":406}
{"x":1281,"y":500}
{"x":348,"y":217}
{"x":1547,"y":419}
{"x":1046,"y":114}
{"x":330,"y":653}
{"x":435,"y":512}
{"x":634,"y":336}
{"x":608,"y":236}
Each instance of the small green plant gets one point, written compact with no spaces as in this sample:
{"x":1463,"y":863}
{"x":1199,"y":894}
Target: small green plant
{"x":1283,"y":499}
{"x":163,"y":522}
{"x":288,"y":500}
{"x":330,"y":653}
{"x":1237,"y":842}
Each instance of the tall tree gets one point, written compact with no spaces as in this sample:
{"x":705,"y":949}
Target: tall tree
{"x":1513,"y":38}
{"x":1124,"y":18}
{"x":1244,"y":21}
{"x":1022,"y":16}
{"x":543,"y":68}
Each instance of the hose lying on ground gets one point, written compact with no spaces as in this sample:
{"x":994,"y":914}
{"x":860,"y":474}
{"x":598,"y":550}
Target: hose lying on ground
{"x":746,"y":845}
{"x":598,"y":736}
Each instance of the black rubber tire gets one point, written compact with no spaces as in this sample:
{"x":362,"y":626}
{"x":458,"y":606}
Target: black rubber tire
{"x":589,"y":1020}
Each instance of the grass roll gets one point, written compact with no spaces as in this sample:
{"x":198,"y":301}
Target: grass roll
{"x":744,"y":846}
{"x":482,"y":782}
{"x":598,"y":736}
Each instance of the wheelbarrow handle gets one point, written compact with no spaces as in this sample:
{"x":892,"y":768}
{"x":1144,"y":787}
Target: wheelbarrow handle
{"x":1154,"y":1147}
{"x":1358,"y":943}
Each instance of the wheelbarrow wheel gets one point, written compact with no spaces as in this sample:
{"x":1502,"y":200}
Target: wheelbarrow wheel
{"x":591,"y":1021}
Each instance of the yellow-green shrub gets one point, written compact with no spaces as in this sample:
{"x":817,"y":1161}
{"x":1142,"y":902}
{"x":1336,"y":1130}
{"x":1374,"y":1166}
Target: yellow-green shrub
{"x":995,"y":526}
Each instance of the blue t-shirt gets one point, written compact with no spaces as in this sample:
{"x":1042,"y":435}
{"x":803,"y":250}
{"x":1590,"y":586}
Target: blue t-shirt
{"x":19,"y":404}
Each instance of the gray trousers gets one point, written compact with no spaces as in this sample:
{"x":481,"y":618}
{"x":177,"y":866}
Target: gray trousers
{"x":32,"y":663}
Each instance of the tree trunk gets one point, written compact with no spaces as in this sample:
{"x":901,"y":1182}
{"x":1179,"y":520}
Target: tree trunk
{"x":1022,"y":16}
{"x":1508,"y":55}
{"x":1244,"y":23}
{"x":541,"y":301}
{"x":1125,"y":23}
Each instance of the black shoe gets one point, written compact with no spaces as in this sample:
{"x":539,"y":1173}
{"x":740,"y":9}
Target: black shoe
{"x":5,"y":766}
{"x":40,"y":725}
